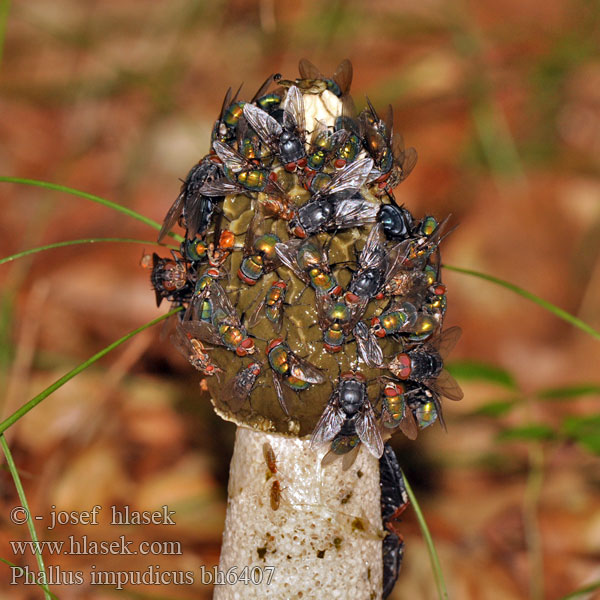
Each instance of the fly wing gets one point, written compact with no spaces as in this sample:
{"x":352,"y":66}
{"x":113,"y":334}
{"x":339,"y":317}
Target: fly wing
{"x":280,"y":393}
{"x":221,"y":303}
{"x":447,"y":340}
{"x":226,"y":103}
{"x":330,"y":423}
{"x":368,"y":348}
{"x":448,"y":387}
{"x":357,"y":310}
{"x":406,"y":159}
{"x":278,"y":320}
{"x":308,"y":70}
{"x":321,"y":137}
{"x":337,"y":139}
{"x":264,"y":124}
{"x":375,"y":141}
{"x":323,"y":304}
{"x":373,"y":254}
{"x":397,"y":257}
{"x":368,"y":430}
{"x":251,"y":234}
{"x":349,"y":458}
{"x":409,"y":162}
{"x":302,"y":369}
{"x":343,"y":76}
{"x":354,"y":213}
{"x":221,"y":187}
{"x":408,"y":426}
{"x":351,"y":177}
{"x":231,"y":159}
{"x":293,"y":106}
{"x":320,"y":132}
{"x":203,"y":331}
{"x":288,"y":253}
{"x":374,"y":116}
{"x":270,"y":263}
{"x":257,"y":314}
{"x":172,"y":215}
{"x":264,"y":87}
{"x":181,"y":342}
{"x":388,"y":121}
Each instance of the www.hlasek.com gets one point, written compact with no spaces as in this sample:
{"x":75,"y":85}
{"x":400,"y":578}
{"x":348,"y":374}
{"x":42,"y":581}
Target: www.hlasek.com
{"x":87,"y":546}
{"x":153,"y":575}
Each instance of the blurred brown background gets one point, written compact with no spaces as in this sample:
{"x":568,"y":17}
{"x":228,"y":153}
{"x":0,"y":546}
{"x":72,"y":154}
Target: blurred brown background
{"x":501,"y":100}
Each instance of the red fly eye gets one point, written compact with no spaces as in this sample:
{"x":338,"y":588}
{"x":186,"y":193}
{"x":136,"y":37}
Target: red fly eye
{"x":299,"y":232}
{"x":245,"y":279}
{"x":339,"y":163}
{"x":332,"y":349}
{"x":379,"y":331}
{"x":245,"y":348}
{"x":404,"y":369}
{"x":273,"y":343}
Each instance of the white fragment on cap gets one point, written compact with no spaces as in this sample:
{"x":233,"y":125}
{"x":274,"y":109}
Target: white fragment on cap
{"x":324,"y":107}
{"x":324,"y":538}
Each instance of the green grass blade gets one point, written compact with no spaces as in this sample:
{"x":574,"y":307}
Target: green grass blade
{"x":529,"y":432}
{"x":567,"y":392}
{"x":471,"y":370}
{"x":433,"y":556}
{"x":582,"y":591}
{"x":4,"y":10}
{"x":494,"y":410}
{"x":585,"y":430}
{"x":74,"y":243}
{"x":67,"y":190}
{"x":555,"y":310}
{"x":84,"y":365}
{"x":23,"y":499}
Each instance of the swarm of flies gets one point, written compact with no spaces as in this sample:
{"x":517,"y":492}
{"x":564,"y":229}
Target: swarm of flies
{"x":309,"y":178}
{"x":388,"y":317}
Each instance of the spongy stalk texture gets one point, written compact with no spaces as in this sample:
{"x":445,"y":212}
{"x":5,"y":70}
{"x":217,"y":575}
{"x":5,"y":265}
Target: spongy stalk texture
{"x":318,"y":527}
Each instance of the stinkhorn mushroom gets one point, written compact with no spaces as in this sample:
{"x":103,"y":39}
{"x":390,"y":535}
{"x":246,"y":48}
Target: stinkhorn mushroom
{"x":313,"y":306}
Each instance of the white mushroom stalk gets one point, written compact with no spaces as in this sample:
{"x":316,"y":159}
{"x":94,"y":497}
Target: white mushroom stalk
{"x":302,"y":531}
